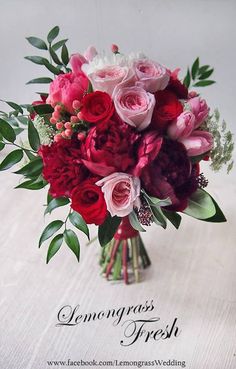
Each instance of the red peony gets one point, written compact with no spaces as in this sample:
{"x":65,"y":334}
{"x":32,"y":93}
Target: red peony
{"x":167,"y":108}
{"x":109,"y":147}
{"x":171,"y":175}
{"x":97,"y":107}
{"x":88,"y":200}
{"x":62,"y":166}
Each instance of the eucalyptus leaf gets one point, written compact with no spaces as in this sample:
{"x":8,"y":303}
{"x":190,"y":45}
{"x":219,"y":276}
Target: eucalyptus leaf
{"x":73,"y":242}
{"x":54,"y":246}
{"x":50,"y":230}
{"x":37,"y":42}
{"x":11,"y":159}
{"x":200,"y":205}
{"x":77,"y":220}
{"x":107,"y":230}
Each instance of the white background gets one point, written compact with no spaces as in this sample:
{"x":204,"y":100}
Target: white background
{"x":193,"y":273}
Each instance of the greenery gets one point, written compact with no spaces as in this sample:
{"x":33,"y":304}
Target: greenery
{"x":197,"y":76}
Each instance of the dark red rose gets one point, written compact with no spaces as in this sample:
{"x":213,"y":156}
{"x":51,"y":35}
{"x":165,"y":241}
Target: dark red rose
{"x":109,"y":147}
{"x":167,"y":108}
{"x":38,"y":102}
{"x":97,"y":107}
{"x":177,"y":87}
{"x":88,"y":200}
{"x":62,"y":166}
{"x":171,"y":175}
{"x":147,"y":150}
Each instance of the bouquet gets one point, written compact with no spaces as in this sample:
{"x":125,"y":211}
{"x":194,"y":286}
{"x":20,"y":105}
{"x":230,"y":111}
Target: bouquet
{"x":119,"y":139}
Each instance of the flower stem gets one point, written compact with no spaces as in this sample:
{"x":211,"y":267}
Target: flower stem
{"x":124,"y":261}
{"x":135,"y":254}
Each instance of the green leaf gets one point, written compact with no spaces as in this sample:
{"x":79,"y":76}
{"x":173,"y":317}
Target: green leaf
{"x":18,"y":131}
{"x":59,"y":44}
{"x":72,"y":241}
{"x":194,"y":69}
{"x":32,"y":184}
{"x":173,"y":217}
{"x":49,"y":198}
{"x":49,"y":231}
{"x":200,"y":205}
{"x":33,"y":168}
{"x":53,"y":34}
{"x":14,"y":106}
{"x":33,"y":136}
{"x":203,"y":69}
{"x":29,"y":155}
{"x":135,"y":222}
{"x":11,"y":159}
{"x":43,"y":109}
{"x":159,"y":217}
{"x":187,"y":79}
{"x":51,"y":68}
{"x":218,"y":217}
{"x":37,"y":59}
{"x":54,"y":56}
{"x":7,"y":131}
{"x":155,"y":201}
{"x":206,"y":74}
{"x":118,"y":265}
{"x":40,"y":80}
{"x":196,"y":159}
{"x":65,"y":55}
{"x":107,"y":230}
{"x":90,"y":88}
{"x":77,"y":220}
{"x":56,"y":203}
{"x":54,"y":246}
{"x":2,"y":145}
{"x":207,"y":82}
{"x":37,"y":42}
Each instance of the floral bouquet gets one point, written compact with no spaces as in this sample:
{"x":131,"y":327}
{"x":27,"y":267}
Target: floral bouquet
{"x":119,"y":139}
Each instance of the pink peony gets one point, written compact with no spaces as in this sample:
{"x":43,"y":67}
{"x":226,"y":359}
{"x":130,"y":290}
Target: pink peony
{"x":198,"y":143}
{"x":182,"y":126}
{"x":134,"y":106}
{"x":121,"y":193}
{"x":151,"y":76}
{"x":199,"y":108}
{"x":66,"y":88}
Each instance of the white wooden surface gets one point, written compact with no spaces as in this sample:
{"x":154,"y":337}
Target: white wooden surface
{"x":193,"y":275}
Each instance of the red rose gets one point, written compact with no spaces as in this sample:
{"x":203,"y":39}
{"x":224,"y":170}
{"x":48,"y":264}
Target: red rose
{"x":62,"y":166}
{"x":171,"y":175}
{"x":177,"y":87}
{"x":88,"y":200}
{"x":167,"y":108}
{"x":97,"y":107}
{"x":109,"y":147}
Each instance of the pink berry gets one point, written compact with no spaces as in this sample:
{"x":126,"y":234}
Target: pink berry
{"x":76,"y":104}
{"x":56,"y":115}
{"x":80,"y":115}
{"x":74,"y":119}
{"x":58,"y":108}
{"x":57,"y":137}
{"x":59,"y":125}
{"x":81,"y":136}
{"x":53,"y":120}
{"x":68,"y":125}
{"x":114,"y":48}
{"x":68,"y":132}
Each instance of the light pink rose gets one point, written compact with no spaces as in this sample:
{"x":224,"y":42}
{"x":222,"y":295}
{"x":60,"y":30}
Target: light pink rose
{"x":109,"y":77}
{"x":182,"y":126}
{"x":134,"y":106}
{"x":198,"y":143}
{"x":151,"y":76}
{"x":77,"y":60}
{"x":121,"y":193}
{"x":199,"y":108}
{"x":66,"y":88}
{"x":90,"y":53}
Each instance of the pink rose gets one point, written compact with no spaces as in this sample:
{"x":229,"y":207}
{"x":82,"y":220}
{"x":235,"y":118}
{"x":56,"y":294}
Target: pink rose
{"x":182,"y":126}
{"x":66,"y":88}
{"x":198,"y":143}
{"x":135,"y":106}
{"x":151,"y":76}
{"x":199,"y":108}
{"x":107,"y":78}
{"x":77,"y":60}
{"x":147,"y":151}
{"x":121,"y":193}
{"x":90,"y":53}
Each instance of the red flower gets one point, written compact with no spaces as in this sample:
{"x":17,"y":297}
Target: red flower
{"x":171,"y":175}
{"x":97,"y":107}
{"x":62,"y":166}
{"x":167,"y":108}
{"x":109,"y":147}
{"x":177,"y":87}
{"x":88,"y":200}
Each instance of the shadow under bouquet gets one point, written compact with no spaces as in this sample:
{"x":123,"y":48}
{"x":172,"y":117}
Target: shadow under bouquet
{"x":119,"y":140}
